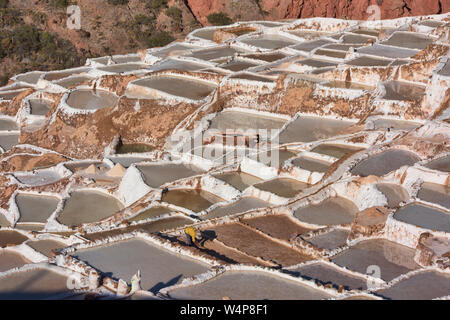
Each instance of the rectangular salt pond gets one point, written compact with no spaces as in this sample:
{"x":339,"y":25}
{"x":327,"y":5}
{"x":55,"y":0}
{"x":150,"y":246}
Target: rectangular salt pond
{"x":268,"y":57}
{"x":159,"y":267}
{"x":308,"y":129}
{"x":392,"y":259}
{"x":237,"y":65}
{"x":408,"y":40}
{"x":330,"y":240}
{"x":39,"y":283}
{"x":214,"y":53}
{"x":278,"y":226}
{"x":312,"y":165}
{"x":125,"y":67}
{"x":440,"y":164}
{"x":156,"y":175}
{"x":331,"y":53}
{"x":316,"y":63}
{"x":239,"y":180}
{"x":251,"y":77}
{"x":311,"y":45}
{"x":399,"y":90}
{"x":283,"y":187}
{"x":245,"y":285}
{"x":233,"y":120}
{"x":172,"y":64}
{"x":424,"y":217}
{"x":366,"y":61}
{"x":10,"y":260}
{"x":242,"y":205}
{"x":387,"y":51}
{"x":39,"y":107}
{"x":269,"y":41}
{"x":381,"y":124}
{"x":192,"y":199}
{"x":334,"y":150}
{"x":348,"y":85}
{"x":435,"y":193}
{"x":394,"y":193}
{"x":8,"y":125}
{"x":46,"y":246}
{"x":176,"y":86}
{"x":35,"y":208}
{"x":150,"y":213}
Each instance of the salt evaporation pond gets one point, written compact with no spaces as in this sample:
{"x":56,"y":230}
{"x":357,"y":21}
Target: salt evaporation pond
{"x":31,"y":77}
{"x":239,"y":180}
{"x":73,"y":81}
{"x":46,"y":246}
{"x":408,"y":40}
{"x":308,"y":129}
{"x":251,"y":77}
{"x":85,"y":99}
{"x":274,"y":157}
{"x":311,"y":45}
{"x":317,"y":63}
{"x":39,"y":178}
{"x":233,"y":120}
{"x":150,"y":213}
{"x":330,"y":240}
{"x":383,"y":124}
{"x":326,"y":274}
{"x":394,"y":193}
{"x":310,"y":164}
{"x":441,"y":164}
{"x":35,"y":208}
{"x":334,"y":150}
{"x":268,"y":57}
{"x":423,"y":286}
{"x":366,"y":61}
{"x":245,"y":285}
{"x":34,"y":284}
{"x":393,"y":259}
{"x":399,"y":90}
{"x":356,"y":38}
{"x":172,"y":64}
{"x":332,"y":211}
{"x":331,"y":53}
{"x":8,"y":141}
{"x":176,"y":86}
{"x":424,"y":216}
{"x":283,"y":187}
{"x":159,"y":268}
{"x":242,"y":205}
{"x":156,"y":175}
{"x":10,"y":260}
{"x":125,"y":67}
{"x":214,"y":53}
{"x":39,"y":107}
{"x":269,"y":41}
{"x":279,"y":226}
{"x":348,"y":85}
{"x":192,"y":199}
{"x":87,"y":206}
{"x":11,"y":237}
{"x":7,"y":125}
{"x":435,"y":193}
{"x":387,"y":51}
{"x":384,"y":162}
{"x":57,"y":75}
{"x":237,"y":65}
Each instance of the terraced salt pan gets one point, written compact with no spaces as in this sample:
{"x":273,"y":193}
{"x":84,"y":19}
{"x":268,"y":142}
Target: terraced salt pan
{"x":127,"y":161}
{"x":85,"y":99}
{"x":348,"y":85}
{"x":435,"y":193}
{"x":207,"y":34}
{"x":307,"y":129}
{"x":310,"y":164}
{"x":214,"y":53}
{"x":326,"y":274}
{"x":7,"y":125}
{"x":267,"y":57}
{"x":172,"y":50}
{"x":122,"y":68}
{"x":35,"y":208}
{"x":392,"y":259}
{"x":237,"y":65}
{"x":424,"y":216}
{"x":274,"y":157}
{"x":126,"y":58}
{"x":248,"y":285}
{"x":332,"y":211}
{"x":234,"y":120}
{"x":73,"y":81}
{"x":3,"y":221}
{"x":192,"y":199}
{"x":87,"y":206}
{"x":408,"y":40}
{"x":422,"y":286}
{"x":8,"y":141}
{"x":330,"y":240}
{"x":331,"y":53}
{"x":10,"y":95}
{"x":387,"y":51}
{"x":440,"y":164}
{"x":269,"y":41}
{"x":39,"y":107}
{"x":57,"y":75}
{"x":366,"y":61}
{"x":251,"y":77}
{"x":149,"y":227}
{"x":317,"y":63}
{"x":247,"y":240}
{"x":394,"y":193}
{"x":10,"y":260}
{"x":278,"y":226}
{"x":283,"y":187}
{"x":356,"y":38}
{"x":399,"y":90}
{"x":239,"y":180}
{"x":242,"y":205}
{"x":384,"y":162}
{"x":311,"y":45}
{"x":34,"y":284}
{"x":156,"y":175}
{"x":79,"y":166}
{"x":334,"y":150}
{"x":308,"y":34}
{"x":383,"y":124}
{"x":46,"y":246}
{"x":176,"y":86}
{"x":30,"y":77}
{"x":172,"y":64}
{"x":150,"y":213}
{"x":445,"y":71}
{"x":159,"y":267}
{"x":38,"y":178}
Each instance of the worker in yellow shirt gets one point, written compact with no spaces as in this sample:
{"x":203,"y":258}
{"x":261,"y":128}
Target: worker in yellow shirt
{"x":191,"y":234}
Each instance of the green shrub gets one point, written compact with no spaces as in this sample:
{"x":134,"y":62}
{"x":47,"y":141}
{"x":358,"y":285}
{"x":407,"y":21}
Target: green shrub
{"x":143,"y":19}
{"x":60,"y":3}
{"x":118,"y":2}
{"x":174,"y":13}
{"x":156,"y":4}
{"x":219,"y":19}
{"x":158,"y":39}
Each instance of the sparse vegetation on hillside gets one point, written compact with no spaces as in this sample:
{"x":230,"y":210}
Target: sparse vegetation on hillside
{"x":118,"y":2}
{"x":219,"y":19}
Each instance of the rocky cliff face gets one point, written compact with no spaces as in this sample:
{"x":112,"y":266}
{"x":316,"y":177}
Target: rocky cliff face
{"x":289,"y":9}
